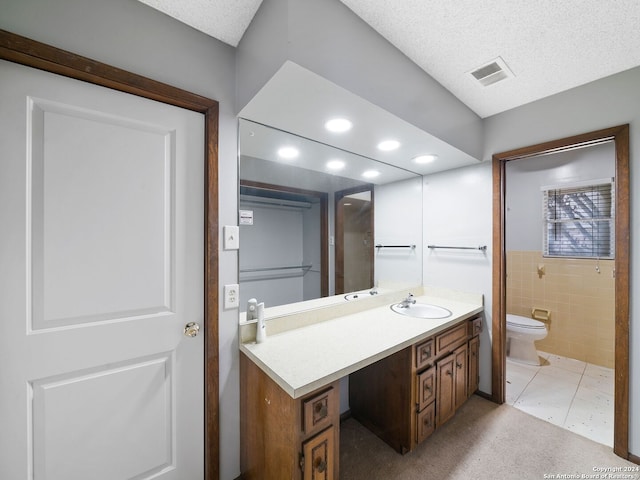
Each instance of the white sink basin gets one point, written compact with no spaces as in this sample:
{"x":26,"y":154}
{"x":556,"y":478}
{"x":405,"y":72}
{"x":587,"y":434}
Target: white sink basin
{"x":421,"y":310}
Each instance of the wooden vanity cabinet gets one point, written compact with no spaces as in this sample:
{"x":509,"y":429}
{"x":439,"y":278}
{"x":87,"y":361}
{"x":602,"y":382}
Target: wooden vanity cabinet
{"x":283,"y":437}
{"x":404,"y":397}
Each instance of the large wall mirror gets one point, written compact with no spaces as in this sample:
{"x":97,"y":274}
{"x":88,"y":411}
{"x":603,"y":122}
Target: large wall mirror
{"x":323,"y":212}
{"x":318,"y":221}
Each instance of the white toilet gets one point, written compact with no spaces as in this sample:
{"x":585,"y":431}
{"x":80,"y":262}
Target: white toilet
{"x":521,"y":333}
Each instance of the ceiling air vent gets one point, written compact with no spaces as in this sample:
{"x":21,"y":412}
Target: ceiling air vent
{"x":492,"y":72}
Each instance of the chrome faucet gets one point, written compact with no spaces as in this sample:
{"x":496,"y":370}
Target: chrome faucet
{"x":408,"y":301}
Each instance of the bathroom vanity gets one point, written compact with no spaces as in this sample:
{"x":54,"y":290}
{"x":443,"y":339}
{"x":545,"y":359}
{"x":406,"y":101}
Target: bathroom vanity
{"x":407,"y":377}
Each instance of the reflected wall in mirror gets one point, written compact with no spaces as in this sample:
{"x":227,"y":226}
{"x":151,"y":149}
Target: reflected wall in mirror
{"x":299,"y":240}
{"x":284,"y":242}
{"x":354,"y":239}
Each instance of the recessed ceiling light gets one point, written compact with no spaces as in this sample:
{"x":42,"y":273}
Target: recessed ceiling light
{"x":288,"y":153}
{"x":370,"y":174}
{"x":388,"y":145}
{"x":335,"y":164}
{"x":425,"y":158}
{"x":338,"y":125}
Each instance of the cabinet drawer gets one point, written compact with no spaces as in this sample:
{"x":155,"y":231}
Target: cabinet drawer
{"x":452,"y":338}
{"x":318,"y":461}
{"x":424,"y":353}
{"x":426,"y":390}
{"x":425,"y":422}
{"x":475,"y":326}
{"x":316,"y":411}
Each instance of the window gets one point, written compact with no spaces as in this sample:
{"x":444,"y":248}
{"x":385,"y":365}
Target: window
{"x":579,"y":221}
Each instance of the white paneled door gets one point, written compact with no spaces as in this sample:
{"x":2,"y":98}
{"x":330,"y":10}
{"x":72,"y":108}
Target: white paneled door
{"x":101,"y":268}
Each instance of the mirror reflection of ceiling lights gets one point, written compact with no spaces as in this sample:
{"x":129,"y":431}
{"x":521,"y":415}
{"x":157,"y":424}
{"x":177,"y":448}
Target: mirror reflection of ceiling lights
{"x":342,"y":125}
{"x":288,"y":153}
{"x":319,"y":110}
{"x":338,"y":125}
{"x":335,"y":165}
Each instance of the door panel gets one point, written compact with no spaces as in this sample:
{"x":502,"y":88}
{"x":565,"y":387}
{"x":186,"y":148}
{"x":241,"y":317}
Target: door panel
{"x":101,"y":204}
{"x":68,"y":403}
{"x":112,"y":180}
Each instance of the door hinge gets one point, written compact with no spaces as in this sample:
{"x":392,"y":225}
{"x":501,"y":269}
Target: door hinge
{"x":301,"y":461}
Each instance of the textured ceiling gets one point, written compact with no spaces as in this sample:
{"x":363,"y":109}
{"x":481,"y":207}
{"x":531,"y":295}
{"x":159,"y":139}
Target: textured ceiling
{"x":225,"y":20}
{"x":550,"y":45}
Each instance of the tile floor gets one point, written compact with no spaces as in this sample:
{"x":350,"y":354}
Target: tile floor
{"x":570,"y":393}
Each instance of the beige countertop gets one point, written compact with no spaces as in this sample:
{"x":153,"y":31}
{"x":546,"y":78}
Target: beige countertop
{"x":304,"y":359}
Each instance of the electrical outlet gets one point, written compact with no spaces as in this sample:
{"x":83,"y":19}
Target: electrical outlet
{"x":232,"y":296}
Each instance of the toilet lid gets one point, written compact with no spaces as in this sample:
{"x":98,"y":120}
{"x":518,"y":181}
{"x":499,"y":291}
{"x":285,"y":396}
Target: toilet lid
{"x":524,"y":322}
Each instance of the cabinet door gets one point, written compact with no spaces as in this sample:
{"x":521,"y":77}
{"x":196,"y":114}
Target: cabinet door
{"x":474,"y":366}
{"x":318,"y":456}
{"x":461,"y":375}
{"x":445,"y":403}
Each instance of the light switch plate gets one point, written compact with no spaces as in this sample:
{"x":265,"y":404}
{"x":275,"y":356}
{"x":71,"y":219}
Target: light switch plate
{"x":231,"y":234}
{"x":232,"y":296}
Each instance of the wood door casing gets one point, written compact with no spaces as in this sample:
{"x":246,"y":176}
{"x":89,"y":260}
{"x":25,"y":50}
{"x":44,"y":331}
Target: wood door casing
{"x":24,"y":51}
{"x":620,"y":136}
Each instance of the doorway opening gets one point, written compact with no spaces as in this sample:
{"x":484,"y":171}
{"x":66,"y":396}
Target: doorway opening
{"x":354,"y":239}
{"x":620,"y":137}
{"x":560,"y":289}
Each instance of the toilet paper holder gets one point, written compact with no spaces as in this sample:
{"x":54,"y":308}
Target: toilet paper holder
{"x":541,"y":314}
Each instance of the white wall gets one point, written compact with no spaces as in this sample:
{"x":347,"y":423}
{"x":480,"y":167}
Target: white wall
{"x":605,"y":103}
{"x":398,"y":221}
{"x":133,"y":36}
{"x":274,"y":240}
{"x":457,"y":211}
{"x":526,"y":178}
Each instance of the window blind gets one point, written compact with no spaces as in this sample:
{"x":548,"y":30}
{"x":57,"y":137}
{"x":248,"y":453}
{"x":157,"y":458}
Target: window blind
{"x":579,"y":221}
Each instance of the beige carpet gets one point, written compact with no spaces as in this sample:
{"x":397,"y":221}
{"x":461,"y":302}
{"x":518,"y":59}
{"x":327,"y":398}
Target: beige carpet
{"x":483,"y":441}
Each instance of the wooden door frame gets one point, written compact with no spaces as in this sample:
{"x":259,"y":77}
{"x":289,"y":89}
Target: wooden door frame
{"x":25,"y":51}
{"x":620,"y":136}
{"x":339,"y":233}
{"x":324,"y":224}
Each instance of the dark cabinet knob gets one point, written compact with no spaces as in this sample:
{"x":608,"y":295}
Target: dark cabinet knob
{"x":321,"y":409}
{"x":320,"y":465}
